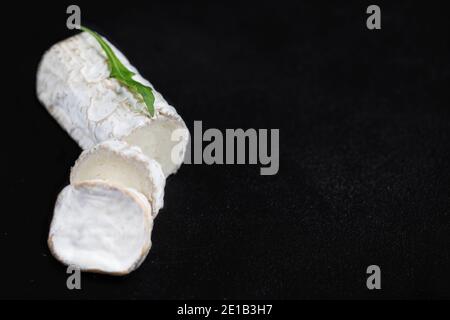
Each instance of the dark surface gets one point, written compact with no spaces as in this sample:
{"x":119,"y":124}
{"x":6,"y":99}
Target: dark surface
{"x":364,"y":151}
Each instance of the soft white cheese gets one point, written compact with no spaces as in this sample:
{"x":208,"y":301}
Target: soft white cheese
{"x":99,"y":227}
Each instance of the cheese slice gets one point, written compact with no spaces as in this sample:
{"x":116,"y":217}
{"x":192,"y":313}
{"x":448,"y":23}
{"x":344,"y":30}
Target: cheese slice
{"x":100,"y":227}
{"x":121,"y":164}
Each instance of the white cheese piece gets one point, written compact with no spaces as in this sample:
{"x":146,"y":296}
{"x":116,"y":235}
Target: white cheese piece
{"x":73,"y":84}
{"x":121,"y":164}
{"x":102,"y":228}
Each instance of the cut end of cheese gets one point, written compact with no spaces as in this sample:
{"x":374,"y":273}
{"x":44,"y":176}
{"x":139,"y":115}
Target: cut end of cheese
{"x":99,"y":227}
{"x":164,"y":140}
{"x":121,"y":164}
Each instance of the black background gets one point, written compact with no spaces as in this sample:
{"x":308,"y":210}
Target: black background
{"x":364,"y":150}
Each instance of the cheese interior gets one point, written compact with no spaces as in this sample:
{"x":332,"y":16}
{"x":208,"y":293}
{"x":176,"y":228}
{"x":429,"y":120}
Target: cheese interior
{"x":99,"y":227}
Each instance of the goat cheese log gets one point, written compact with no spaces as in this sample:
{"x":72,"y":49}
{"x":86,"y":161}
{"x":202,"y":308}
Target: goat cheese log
{"x":101,"y":228}
{"x":73,"y":84}
{"x":121,"y":164}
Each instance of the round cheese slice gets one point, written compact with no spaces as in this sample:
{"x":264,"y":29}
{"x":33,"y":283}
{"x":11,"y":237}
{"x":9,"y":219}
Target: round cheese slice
{"x":99,"y":227}
{"x":121,"y":164}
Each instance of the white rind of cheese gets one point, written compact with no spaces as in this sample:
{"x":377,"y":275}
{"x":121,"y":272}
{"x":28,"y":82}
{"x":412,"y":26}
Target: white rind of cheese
{"x":73,"y":84}
{"x":121,"y":164}
{"x":99,"y":227}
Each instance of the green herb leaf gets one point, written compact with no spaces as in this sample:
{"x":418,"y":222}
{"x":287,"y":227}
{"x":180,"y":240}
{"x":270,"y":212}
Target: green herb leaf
{"x":123,"y":75}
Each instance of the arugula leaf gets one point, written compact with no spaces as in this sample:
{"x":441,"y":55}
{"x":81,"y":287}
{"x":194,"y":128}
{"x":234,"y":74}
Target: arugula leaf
{"x":123,"y":75}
